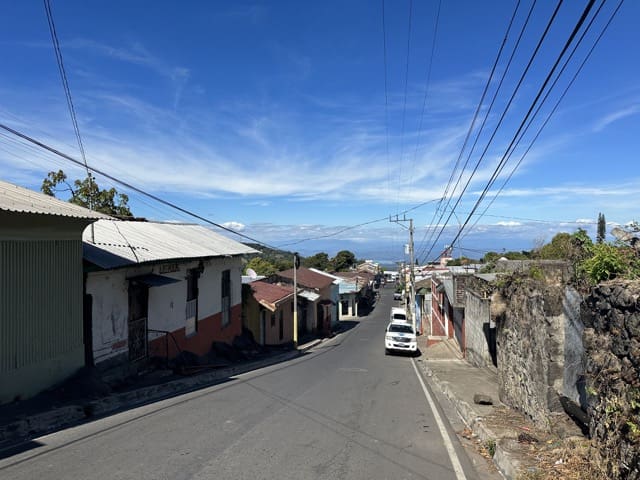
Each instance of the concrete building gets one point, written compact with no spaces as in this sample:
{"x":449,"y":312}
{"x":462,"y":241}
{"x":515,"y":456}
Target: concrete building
{"x":268,"y":312}
{"x":155,"y":289}
{"x":314,"y":297}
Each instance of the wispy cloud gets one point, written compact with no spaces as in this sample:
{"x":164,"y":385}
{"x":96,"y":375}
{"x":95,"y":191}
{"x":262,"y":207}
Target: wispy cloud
{"x":137,"y":54}
{"x":615,"y":116}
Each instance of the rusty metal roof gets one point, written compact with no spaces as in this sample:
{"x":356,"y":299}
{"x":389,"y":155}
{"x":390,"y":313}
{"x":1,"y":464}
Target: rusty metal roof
{"x":270,"y":294}
{"x":308,"y":278}
{"x":118,"y":243}
{"x":22,"y":200}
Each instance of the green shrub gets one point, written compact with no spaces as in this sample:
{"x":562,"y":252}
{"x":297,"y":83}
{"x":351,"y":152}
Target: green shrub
{"x":605,"y":263}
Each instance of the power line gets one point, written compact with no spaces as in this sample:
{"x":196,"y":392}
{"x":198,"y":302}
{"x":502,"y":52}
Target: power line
{"x":128,"y":185}
{"x":475,"y":116}
{"x":501,"y":164}
{"x":502,"y":117}
{"x":555,"y":107}
{"x":386,"y":96}
{"x":345,"y":229}
{"x":65,"y":82}
{"x":426,"y":90}
{"x":404,"y":108}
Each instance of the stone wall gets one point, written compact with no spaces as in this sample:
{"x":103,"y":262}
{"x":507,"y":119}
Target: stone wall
{"x":611,"y":315}
{"x":530,"y":337}
{"x":540,"y":354}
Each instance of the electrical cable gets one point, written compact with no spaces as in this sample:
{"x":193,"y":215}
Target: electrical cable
{"x":502,"y":117}
{"x":426,"y":90}
{"x":552,"y":112}
{"x":404,"y":108}
{"x":475,"y":116}
{"x":501,"y":164}
{"x":128,"y":185}
{"x":345,"y":229}
{"x":65,"y":82}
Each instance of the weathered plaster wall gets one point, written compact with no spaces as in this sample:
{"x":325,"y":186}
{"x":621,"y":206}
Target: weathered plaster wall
{"x":479,"y":328}
{"x":166,"y":309}
{"x":612,"y":344}
{"x":109,"y":312}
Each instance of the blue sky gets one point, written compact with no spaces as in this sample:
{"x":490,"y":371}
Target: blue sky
{"x":277,"y":119}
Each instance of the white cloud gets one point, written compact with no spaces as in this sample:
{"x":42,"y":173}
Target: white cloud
{"x":237,"y":226}
{"x":509,"y":224}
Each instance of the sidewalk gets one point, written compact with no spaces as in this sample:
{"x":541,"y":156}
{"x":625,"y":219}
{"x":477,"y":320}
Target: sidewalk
{"x":495,"y":427}
{"x":53,"y":411}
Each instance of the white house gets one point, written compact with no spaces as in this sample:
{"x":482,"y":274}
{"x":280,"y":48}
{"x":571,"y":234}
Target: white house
{"x":159,"y":288}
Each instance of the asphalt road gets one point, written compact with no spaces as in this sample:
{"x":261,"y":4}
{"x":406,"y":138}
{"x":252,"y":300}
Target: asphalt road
{"x":342,"y":411}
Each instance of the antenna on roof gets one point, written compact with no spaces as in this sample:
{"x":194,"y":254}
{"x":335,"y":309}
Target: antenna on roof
{"x":252,"y":273}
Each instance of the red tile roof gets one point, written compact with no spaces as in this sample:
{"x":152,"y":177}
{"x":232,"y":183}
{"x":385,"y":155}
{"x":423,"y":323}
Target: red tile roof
{"x":308,"y":278}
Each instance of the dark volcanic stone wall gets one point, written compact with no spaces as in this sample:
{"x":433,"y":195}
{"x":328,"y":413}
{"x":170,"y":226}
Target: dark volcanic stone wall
{"x":611,"y":315}
{"x":530,"y":338}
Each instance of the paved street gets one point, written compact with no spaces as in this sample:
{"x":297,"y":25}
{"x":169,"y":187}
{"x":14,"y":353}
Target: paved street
{"x":343,"y":411}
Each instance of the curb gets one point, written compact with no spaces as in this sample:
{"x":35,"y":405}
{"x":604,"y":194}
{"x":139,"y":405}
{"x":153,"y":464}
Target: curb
{"x":506,"y":464}
{"x":63,"y":417}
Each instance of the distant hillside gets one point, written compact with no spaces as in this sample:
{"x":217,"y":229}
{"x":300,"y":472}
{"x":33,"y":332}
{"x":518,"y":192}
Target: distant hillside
{"x":282,"y":259}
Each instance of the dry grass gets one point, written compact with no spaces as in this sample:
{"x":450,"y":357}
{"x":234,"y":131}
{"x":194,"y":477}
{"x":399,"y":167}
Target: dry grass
{"x":568,"y":460}
{"x":544,"y":455}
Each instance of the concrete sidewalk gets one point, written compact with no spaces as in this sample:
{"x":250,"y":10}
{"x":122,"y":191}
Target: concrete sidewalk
{"x":494,"y":425}
{"x":22,"y":422}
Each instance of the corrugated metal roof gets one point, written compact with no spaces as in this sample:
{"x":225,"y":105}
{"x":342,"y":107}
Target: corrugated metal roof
{"x":270,"y":292}
{"x":309,"y":295}
{"x":346,"y":287}
{"x":118,"y":243}
{"x":22,"y":200}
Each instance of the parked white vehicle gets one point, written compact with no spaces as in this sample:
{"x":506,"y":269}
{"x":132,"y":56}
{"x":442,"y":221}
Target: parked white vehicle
{"x":400,"y":337}
{"x":398,"y":315}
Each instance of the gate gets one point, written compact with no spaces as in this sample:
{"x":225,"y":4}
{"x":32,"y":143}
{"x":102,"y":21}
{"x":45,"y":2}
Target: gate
{"x":137,"y":339}
{"x":137,"y":322}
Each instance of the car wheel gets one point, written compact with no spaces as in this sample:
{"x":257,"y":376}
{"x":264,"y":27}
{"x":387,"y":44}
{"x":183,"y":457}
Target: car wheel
{"x":386,"y":351}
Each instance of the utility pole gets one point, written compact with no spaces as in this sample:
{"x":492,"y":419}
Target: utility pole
{"x":412,"y":296}
{"x":296,"y":264}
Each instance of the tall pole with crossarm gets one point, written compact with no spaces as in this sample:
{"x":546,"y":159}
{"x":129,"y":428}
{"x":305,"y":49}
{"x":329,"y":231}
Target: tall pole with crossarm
{"x":411,"y":305}
{"x":296,"y":264}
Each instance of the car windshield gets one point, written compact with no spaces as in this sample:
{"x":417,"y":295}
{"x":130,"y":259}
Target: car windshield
{"x":399,"y":328}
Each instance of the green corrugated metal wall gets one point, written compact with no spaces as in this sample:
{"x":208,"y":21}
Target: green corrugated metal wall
{"x":40,"y":301}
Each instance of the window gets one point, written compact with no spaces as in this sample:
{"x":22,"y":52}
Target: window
{"x":226,"y":297}
{"x":281,"y":320}
{"x":273,"y":319}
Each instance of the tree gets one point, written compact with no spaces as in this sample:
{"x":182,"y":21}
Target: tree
{"x":343,"y":260}
{"x":320,"y":261}
{"x":566,"y":246}
{"x":490,"y":257}
{"x":602,"y":228}
{"x":88,"y":194}
{"x":261,"y":266}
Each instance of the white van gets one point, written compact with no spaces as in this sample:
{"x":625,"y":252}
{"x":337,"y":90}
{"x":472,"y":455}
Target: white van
{"x":398,"y":315}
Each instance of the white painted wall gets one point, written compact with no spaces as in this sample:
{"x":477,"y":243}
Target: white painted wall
{"x":166,"y":304}
{"x":110,"y":311}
